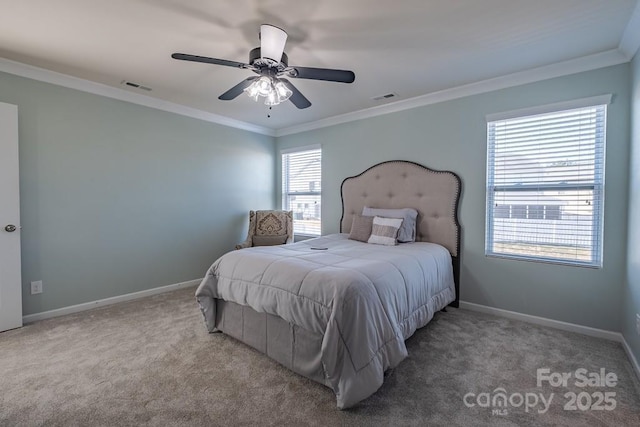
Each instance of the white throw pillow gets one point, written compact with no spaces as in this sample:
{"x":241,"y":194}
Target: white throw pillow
{"x":407,"y":231}
{"x":385,"y":231}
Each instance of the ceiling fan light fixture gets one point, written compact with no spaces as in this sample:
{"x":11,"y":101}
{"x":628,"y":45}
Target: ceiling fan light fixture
{"x":264,"y":86}
{"x":272,"y":41}
{"x":252,"y":91}
{"x":260,"y":87}
{"x":272,"y":89}
{"x":283,"y":91}
{"x":272,"y":99}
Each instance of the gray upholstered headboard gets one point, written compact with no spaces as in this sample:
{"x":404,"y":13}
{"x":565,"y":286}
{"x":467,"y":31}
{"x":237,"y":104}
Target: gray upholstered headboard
{"x":402,"y":184}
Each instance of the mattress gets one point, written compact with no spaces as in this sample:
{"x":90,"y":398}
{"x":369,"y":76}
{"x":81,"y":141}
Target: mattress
{"x":357,"y":302}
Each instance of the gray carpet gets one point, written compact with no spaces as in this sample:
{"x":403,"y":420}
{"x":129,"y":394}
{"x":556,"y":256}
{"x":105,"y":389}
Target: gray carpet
{"x":151,"y":362}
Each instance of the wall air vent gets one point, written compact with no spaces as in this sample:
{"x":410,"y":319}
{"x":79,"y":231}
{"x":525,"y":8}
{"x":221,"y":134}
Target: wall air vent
{"x":135,"y":85}
{"x":386,"y":96}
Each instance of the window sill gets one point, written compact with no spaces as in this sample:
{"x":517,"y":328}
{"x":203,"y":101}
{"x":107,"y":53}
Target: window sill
{"x":564,"y":263}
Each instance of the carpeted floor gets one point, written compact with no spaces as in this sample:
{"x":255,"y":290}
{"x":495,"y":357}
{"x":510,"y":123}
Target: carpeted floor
{"x":151,"y":362}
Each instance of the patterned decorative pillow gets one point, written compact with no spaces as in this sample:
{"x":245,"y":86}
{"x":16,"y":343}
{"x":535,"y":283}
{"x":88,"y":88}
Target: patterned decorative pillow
{"x":385,"y":231}
{"x":270,"y":223}
{"x":361,"y":228}
{"x":407,"y":231}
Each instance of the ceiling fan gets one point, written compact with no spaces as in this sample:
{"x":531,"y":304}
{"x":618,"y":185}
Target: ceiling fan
{"x":271,"y":64}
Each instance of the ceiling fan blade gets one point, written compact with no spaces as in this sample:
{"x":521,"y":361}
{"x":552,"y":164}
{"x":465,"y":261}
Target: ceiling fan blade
{"x":297,"y":98}
{"x":207,"y":60}
{"x":237,"y":89}
{"x":341,"y":76}
{"x":272,"y":41}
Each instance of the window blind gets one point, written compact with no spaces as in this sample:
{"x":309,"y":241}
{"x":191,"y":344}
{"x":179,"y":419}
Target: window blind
{"x":302,"y":191}
{"x":545,"y":186}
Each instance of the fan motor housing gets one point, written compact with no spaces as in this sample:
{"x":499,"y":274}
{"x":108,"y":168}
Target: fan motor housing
{"x":255,"y":55}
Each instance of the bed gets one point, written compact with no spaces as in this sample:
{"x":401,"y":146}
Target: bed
{"x":338,"y":310}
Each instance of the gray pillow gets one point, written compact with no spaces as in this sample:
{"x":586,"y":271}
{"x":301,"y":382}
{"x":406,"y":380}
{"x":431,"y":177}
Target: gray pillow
{"x":269,"y":240}
{"x":407,"y":231}
{"x":385,"y":231}
{"x":361,"y":228}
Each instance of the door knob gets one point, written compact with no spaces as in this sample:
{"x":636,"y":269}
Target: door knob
{"x":10,"y":228}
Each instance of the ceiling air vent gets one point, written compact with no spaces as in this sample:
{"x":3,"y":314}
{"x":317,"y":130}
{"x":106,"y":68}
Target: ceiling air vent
{"x":135,"y":85}
{"x":383,"y":97}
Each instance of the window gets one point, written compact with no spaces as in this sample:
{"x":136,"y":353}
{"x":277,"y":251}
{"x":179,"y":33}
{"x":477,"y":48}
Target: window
{"x":545,"y":184}
{"x":301,"y":189}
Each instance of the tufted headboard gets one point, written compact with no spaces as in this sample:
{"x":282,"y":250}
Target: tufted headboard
{"x":402,"y":184}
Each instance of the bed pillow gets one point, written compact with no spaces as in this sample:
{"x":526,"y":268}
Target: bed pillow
{"x":384,"y":231}
{"x":407,"y":232}
{"x":361,"y":228}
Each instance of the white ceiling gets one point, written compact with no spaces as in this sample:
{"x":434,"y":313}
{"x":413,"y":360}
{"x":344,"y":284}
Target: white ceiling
{"x":408,"y":47}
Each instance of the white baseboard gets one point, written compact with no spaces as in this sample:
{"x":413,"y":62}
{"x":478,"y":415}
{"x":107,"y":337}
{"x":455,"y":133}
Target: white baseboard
{"x":632,"y":358}
{"x":30,"y":318}
{"x":557,"y":324}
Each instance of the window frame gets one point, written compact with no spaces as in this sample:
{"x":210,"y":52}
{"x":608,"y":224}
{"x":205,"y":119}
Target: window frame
{"x":286,"y":194}
{"x":596,"y":186}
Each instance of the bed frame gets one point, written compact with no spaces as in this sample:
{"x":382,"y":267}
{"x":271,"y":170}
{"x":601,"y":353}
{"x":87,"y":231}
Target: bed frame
{"x":394,"y":184}
{"x":402,"y":184}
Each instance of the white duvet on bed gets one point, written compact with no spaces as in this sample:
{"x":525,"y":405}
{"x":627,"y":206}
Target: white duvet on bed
{"x":365,"y":299}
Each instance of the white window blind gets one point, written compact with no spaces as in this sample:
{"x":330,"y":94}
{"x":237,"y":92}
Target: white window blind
{"x":302,"y":191}
{"x":545,"y":186}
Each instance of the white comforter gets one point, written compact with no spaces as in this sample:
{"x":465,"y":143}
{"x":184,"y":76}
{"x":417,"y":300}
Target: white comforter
{"x":365,"y":299}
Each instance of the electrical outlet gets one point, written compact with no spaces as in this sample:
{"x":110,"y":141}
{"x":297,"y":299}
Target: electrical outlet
{"x":638,"y":323}
{"x":36,"y":287}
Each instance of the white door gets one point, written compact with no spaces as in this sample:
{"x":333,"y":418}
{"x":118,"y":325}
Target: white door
{"x":10,"y":270}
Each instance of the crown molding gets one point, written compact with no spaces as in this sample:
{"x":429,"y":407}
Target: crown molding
{"x":585,"y":63}
{"x":47,"y":76}
{"x":630,"y":41}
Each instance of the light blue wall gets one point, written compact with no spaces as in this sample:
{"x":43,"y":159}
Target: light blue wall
{"x":452,"y":135}
{"x":632,"y":288}
{"x":118,"y":198}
